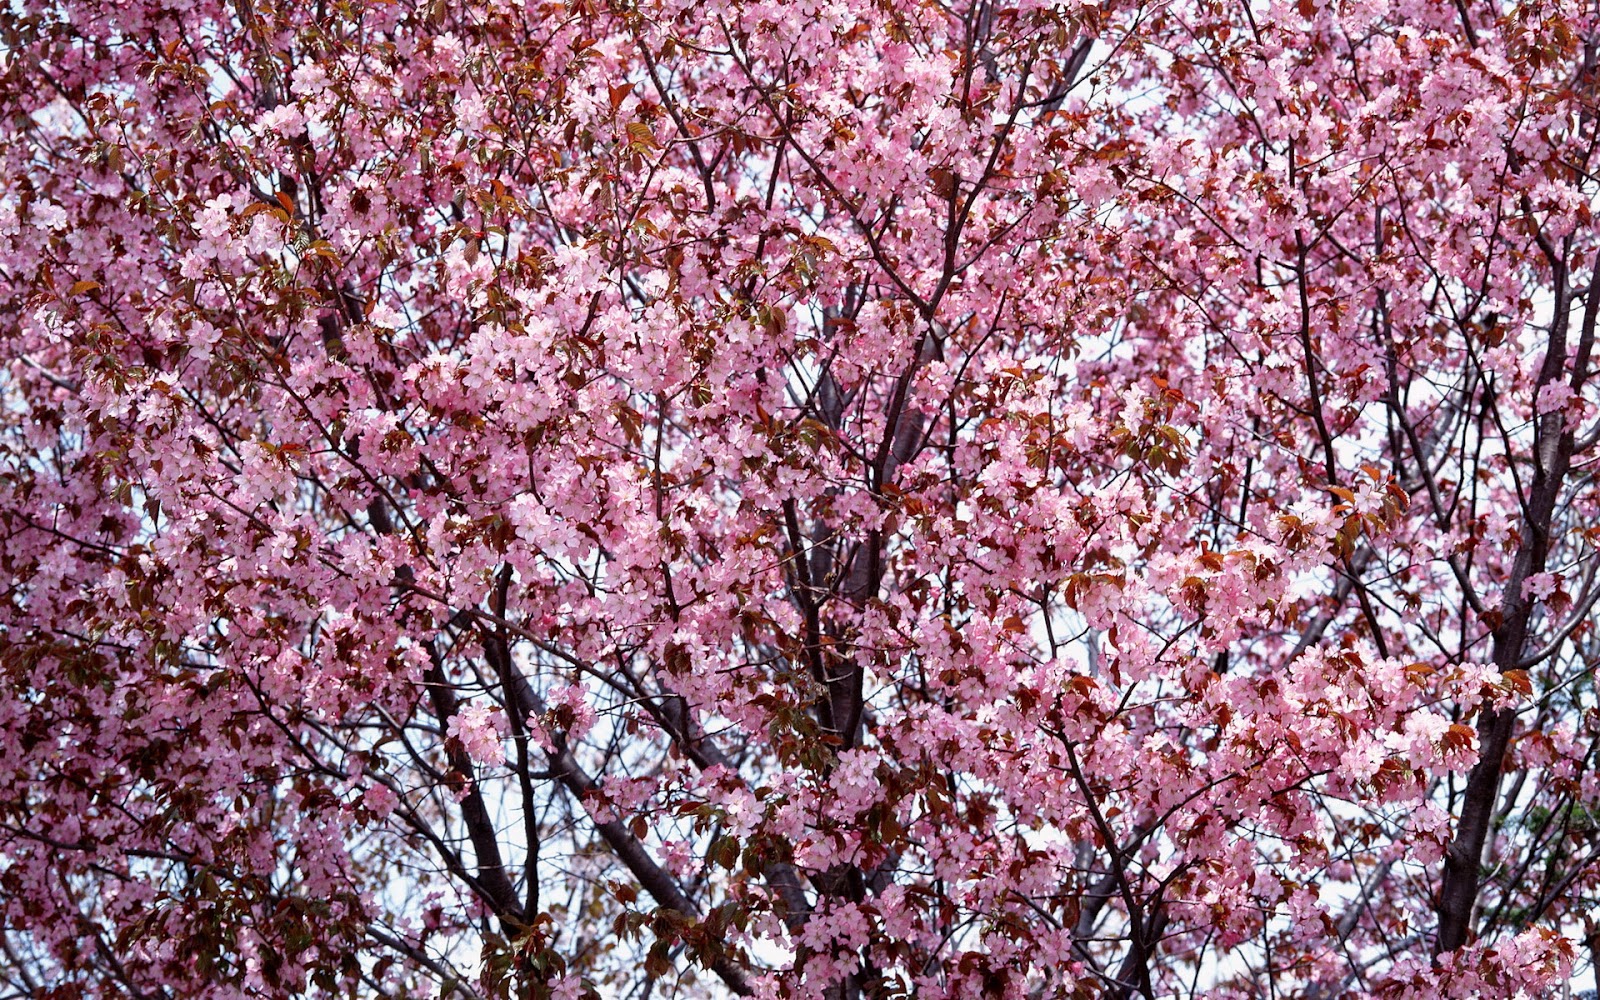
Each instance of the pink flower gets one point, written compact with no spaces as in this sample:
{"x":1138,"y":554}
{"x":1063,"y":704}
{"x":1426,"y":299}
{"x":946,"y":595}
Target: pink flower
{"x":285,"y":119}
{"x":1554,"y":396}
{"x":1539,"y":586}
{"x":379,"y":798}
{"x":481,"y":731}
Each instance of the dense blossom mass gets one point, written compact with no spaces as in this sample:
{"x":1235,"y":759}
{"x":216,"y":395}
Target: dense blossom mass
{"x":832,"y":499}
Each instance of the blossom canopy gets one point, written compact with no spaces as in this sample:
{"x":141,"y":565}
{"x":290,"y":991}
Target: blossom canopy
{"x":841,"y":499}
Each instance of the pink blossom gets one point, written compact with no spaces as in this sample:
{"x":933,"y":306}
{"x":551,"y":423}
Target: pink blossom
{"x":481,"y":730}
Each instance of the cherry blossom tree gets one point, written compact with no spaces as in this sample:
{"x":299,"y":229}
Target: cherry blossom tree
{"x":911,"y":498}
